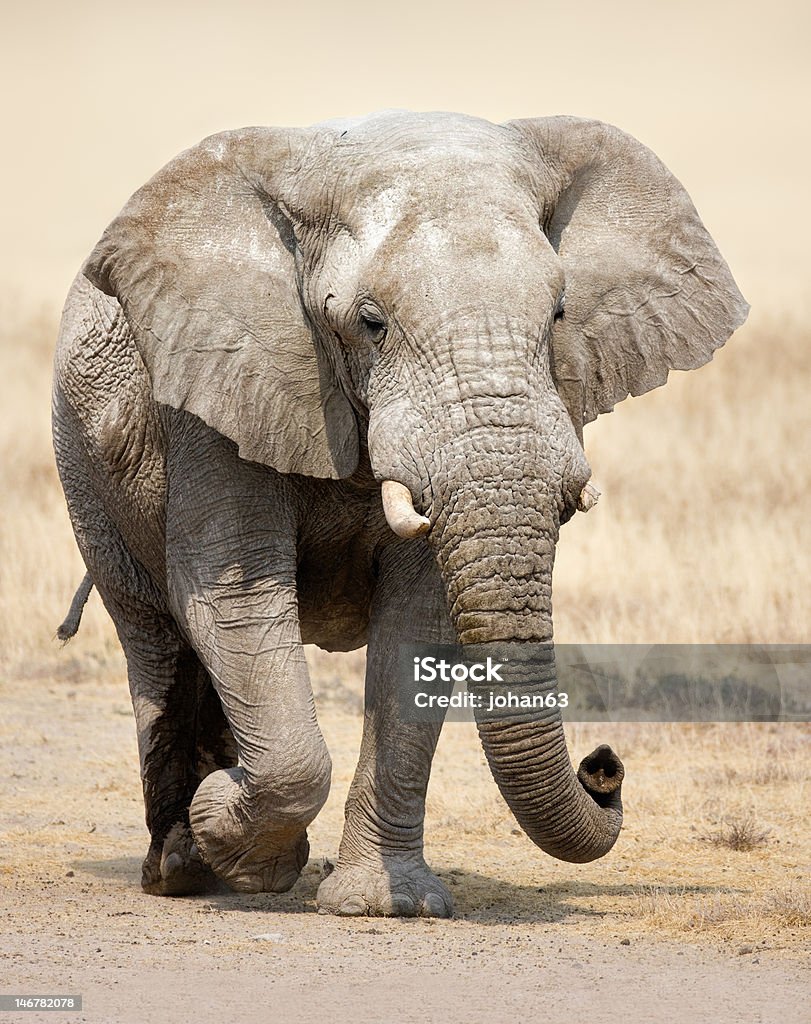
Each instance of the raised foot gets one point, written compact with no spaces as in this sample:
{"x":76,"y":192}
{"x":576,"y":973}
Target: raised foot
{"x":247,"y":856}
{"x":175,"y":867}
{"x":263,"y":871}
{"x":395,"y":888}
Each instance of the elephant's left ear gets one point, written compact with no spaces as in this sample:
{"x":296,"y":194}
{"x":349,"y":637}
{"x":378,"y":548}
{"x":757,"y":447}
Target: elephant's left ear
{"x":203,"y":261}
{"x":646,"y":289}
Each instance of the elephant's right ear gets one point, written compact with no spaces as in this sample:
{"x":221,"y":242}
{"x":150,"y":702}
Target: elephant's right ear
{"x":647,"y":290}
{"x":202,"y":259}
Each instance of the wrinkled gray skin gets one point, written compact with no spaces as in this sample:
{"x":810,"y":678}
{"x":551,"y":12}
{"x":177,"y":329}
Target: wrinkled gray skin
{"x":276,"y":323}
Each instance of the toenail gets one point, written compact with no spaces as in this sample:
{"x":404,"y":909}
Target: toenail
{"x":354,"y":906}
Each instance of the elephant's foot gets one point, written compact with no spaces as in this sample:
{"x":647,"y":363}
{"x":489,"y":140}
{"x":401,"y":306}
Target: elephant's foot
{"x":248,"y":853}
{"x":264,"y":867}
{"x":389,"y":888}
{"x":174,"y":867}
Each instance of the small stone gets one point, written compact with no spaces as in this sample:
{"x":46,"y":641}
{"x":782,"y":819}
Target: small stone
{"x":745,"y":949}
{"x":70,"y":874}
{"x":625,"y":942}
{"x":268,"y":937}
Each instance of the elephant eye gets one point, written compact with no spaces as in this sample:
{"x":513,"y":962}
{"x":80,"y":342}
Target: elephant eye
{"x":560,"y":309}
{"x":373,"y":326}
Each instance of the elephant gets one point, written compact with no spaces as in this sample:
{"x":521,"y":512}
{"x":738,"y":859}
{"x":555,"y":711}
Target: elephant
{"x":328,"y":386}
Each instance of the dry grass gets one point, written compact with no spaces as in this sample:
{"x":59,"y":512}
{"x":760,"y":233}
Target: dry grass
{"x":702,"y":532}
{"x":702,"y":536}
{"x":788,"y":908}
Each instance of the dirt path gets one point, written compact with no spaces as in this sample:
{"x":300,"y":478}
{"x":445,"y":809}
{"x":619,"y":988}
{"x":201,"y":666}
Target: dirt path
{"x":73,"y":919}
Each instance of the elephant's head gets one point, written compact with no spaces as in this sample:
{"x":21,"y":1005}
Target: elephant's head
{"x":460,"y":298}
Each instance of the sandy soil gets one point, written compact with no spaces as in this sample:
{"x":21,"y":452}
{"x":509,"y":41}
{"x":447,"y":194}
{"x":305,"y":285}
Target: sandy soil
{"x":555,"y":942}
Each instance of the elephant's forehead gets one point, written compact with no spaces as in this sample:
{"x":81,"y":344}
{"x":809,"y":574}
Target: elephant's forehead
{"x":405,"y":129}
{"x":439,"y":181}
{"x":451,"y":198}
{"x":421,"y":153}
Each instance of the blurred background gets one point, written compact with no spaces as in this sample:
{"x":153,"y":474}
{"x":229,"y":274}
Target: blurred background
{"x":98,"y":96}
{"x":702,"y":530}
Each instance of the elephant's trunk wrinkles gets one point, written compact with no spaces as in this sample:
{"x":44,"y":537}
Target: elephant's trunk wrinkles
{"x":499,"y":583}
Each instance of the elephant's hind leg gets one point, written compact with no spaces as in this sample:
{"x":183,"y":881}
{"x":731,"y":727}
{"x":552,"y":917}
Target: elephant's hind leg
{"x":182,"y":737}
{"x":182,"y":734}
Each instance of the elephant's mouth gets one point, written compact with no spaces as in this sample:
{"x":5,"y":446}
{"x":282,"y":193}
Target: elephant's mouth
{"x":406,"y":522}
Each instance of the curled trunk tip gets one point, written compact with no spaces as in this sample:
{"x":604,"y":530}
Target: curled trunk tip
{"x":601,"y":773}
{"x":574,"y":816}
{"x":401,"y":515}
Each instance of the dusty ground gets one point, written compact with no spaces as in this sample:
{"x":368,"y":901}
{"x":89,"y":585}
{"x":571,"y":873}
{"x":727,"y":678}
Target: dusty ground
{"x":670,"y":927}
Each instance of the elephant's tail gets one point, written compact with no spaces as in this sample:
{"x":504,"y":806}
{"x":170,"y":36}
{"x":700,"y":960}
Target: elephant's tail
{"x":70,"y":626}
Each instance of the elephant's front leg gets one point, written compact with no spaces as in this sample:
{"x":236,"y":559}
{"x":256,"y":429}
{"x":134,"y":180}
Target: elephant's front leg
{"x":381,"y":869}
{"x":250,"y":821}
{"x":231,"y":552}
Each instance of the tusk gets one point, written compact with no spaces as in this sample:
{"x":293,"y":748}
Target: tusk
{"x":589,"y":497}
{"x":399,"y":508}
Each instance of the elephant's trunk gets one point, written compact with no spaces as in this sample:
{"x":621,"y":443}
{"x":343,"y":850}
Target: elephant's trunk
{"x":499,"y":583}
{"x":572,"y":817}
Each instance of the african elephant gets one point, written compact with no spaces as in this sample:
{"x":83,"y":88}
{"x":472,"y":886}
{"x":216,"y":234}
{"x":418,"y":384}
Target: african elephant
{"x":328,"y":386}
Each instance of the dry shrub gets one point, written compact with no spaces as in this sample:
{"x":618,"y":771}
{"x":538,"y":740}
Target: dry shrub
{"x":742,"y":834}
{"x":790,"y":905}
